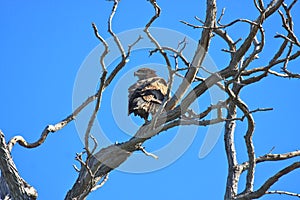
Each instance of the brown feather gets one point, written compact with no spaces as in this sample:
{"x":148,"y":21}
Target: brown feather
{"x":147,"y":94}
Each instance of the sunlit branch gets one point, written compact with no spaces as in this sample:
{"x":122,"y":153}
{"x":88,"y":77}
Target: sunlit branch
{"x":17,"y":187}
{"x":142,"y":149}
{"x":178,"y":53}
{"x":224,"y":35}
{"x":271,"y":181}
{"x":288,"y":28}
{"x":283,"y":193}
{"x":104,"y":43}
{"x":104,"y":180}
{"x":95,"y":144}
{"x":218,"y":106}
{"x":199,"y":55}
{"x":248,"y":137}
{"x":272,"y":157}
{"x":220,"y":26}
{"x":116,"y":38}
{"x":50,"y":128}
{"x":164,"y":55}
{"x":233,"y":173}
{"x":252,"y":111}
{"x":259,"y":6}
{"x":122,"y":63}
{"x":258,"y":47}
{"x":94,"y":114}
{"x":87,"y":167}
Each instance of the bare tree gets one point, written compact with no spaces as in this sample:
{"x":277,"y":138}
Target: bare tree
{"x":235,"y":76}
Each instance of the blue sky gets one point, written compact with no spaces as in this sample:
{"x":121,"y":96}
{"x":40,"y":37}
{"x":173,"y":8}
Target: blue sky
{"x":43,"y":46}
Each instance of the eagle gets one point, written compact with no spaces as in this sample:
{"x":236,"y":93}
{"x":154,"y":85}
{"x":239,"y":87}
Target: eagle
{"x":147,"y":94}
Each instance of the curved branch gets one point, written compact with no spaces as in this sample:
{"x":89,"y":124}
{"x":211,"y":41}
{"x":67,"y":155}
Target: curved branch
{"x":289,"y":28}
{"x":221,"y":26}
{"x":271,"y":181}
{"x":258,"y":47}
{"x":233,"y":169}
{"x":155,"y":16}
{"x":116,"y":39}
{"x":164,"y":55}
{"x":94,"y":114}
{"x":224,"y":35}
{"x":50,"y":128}
{"x":18,"y":187}
{"x":272,"y":157}
{"x":121,"y":64}
{"x":259,"y":6}
{"x":199,"y":56}
{"x":284,"y":193}
{"x":177,"y":53}
{"x":106,"y":50}
{"x":248,"y":138}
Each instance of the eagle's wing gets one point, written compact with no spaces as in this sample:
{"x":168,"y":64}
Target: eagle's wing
{"x":146,"y":95}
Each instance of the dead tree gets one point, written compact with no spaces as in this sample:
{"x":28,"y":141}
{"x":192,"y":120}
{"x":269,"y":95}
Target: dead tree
{"x":235,"y":76}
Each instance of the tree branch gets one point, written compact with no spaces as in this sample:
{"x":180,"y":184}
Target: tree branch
{"x":199,"y":55}
{"x":164,"y":55}
{"x":283,"y":193}
{"x":234,"y":170}
{"x":104,"y":43}
{"x":109,"y":22}
{"x":95,"y":111}
{"x":272,"y":157}
{"x":248,"y":138}
{"x":18,"y":187}
{"x":263,"y":189}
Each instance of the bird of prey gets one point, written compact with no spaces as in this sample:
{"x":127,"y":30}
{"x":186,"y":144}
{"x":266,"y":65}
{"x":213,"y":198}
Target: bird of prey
{"x":147,"y":94}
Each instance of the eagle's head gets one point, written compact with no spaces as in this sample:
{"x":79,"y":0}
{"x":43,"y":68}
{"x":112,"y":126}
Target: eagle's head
{"x":145,"y":73}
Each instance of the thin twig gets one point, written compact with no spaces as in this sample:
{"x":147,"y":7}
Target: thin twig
{"x":283,"y":193}
{"x":95,"y":144}
{"x":178,"y":53}
{"x":109,"y":22}
{"x":76,"y":168}
{"x":106,"y":50}
{"x":252,"y":111}
{"x":142,"y":149}
{"x":288,"y":28}
{"x":199,"y":55}
{"x":50,"y":128}
{"x":271,"y":181}
{"x":164,"y":55}
{"x":272,"y":157}
{"x":259,"y":6}
{"x":94,"y":114}
{"x":122,"y":63}
{"x":87,"y":167}
{"x":221,"y":16}
{"x":221,"y":26}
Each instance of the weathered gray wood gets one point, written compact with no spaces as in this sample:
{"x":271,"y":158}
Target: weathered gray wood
{"x":12,"y":185}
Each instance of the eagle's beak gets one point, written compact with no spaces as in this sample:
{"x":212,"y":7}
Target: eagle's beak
{"x":135,"y":74}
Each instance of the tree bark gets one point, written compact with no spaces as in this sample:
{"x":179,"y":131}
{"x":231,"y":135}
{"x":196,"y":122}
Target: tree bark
{"x":12,"y":185}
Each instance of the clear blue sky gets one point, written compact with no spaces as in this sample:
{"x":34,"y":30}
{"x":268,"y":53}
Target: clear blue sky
{"x":44,"y":43}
